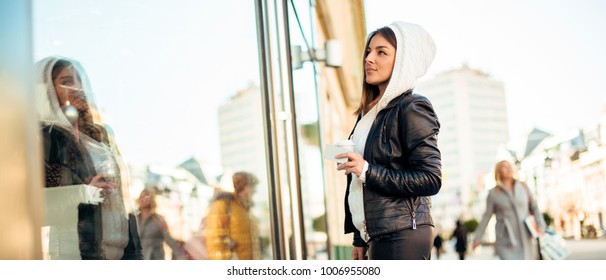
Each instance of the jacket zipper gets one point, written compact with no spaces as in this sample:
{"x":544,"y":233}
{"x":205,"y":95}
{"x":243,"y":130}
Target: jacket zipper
{"x":364,"y":213}
{"x":413,"y":214}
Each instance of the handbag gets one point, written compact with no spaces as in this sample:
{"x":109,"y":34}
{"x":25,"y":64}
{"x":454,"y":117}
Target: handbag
{"x":531,"y":223}
{"x":552,"y":246}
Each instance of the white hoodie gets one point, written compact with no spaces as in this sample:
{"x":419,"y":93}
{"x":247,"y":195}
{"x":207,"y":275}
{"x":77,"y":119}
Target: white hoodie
{"x":415,"y":52}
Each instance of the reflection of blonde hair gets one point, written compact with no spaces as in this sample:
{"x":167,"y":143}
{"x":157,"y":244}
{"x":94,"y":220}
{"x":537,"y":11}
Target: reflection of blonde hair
{"x":152,"y":199}
{"x":497,"y":170}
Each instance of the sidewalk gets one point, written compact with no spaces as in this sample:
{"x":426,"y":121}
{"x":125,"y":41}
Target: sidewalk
{"x":481,"y":253}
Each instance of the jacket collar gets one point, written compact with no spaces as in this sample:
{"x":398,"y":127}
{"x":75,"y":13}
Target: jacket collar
{"x":397,"y":99}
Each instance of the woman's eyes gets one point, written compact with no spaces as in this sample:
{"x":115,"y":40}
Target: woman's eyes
{"x":68,"y":82}
{"x":379,"y":52}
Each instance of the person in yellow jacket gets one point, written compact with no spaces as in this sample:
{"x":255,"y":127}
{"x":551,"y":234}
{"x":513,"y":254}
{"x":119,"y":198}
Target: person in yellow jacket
{"x":231,"y":229}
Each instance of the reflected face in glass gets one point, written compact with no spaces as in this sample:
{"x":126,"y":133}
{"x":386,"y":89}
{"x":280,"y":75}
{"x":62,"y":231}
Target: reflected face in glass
{"x":145,"y":200}
{"x":247,"y":194}
{"x":379,"y":61}
{"x":69,"y":88}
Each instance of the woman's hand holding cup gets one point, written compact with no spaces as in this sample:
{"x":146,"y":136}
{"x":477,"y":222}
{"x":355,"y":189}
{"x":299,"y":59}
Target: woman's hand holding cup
{"x":354,"y":163}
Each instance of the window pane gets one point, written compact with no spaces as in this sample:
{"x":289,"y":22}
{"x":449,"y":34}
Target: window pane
{"x":302,"y":32}
{"x":175,"y":86}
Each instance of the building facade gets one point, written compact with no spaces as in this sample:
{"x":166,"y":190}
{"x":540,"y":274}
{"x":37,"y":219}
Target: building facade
{"x":567,"y":173}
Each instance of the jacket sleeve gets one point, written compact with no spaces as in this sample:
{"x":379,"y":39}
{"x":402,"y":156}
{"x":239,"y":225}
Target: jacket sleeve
{"x":173,"y":243}
{"x":358,"y":241}
{"x":419,"y":127}
{"x":479,"y":233}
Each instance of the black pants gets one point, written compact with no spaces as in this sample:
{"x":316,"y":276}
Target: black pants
{"x":408,"y":244}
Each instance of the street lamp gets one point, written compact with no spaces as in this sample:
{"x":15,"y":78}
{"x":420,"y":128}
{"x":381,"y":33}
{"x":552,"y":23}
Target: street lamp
{"x":332,"y":55}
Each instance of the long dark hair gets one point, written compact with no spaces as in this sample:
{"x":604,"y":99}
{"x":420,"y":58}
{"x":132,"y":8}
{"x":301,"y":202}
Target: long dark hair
{"x":370,"y":93}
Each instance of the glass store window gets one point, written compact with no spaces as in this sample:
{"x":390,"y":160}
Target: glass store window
{"x":164,"y":121}
{"x":302,"y":34}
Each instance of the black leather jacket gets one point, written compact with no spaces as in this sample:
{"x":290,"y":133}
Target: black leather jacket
{"x":404,"y":168}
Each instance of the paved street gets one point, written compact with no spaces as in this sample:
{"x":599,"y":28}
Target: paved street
{"x":585,"y":249}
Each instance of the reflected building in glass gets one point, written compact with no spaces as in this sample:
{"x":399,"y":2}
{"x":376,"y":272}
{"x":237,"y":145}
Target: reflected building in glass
{"x":242,"y":143}
{"x":241,"y":133}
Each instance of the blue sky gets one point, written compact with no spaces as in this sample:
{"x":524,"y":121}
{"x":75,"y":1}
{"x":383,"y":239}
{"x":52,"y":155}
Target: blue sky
{"x":160,"y":69}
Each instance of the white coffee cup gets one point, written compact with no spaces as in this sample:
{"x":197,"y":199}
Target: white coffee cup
{"x":347,"y":144}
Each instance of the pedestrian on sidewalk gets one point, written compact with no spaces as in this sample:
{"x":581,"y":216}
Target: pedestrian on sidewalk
{"x":511,"y":202}
{"x":460,"y":234}
{"x":437,"y":243}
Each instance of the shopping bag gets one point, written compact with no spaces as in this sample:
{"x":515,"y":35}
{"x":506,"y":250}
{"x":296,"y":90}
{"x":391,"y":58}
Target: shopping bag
{"x":553,"y":246}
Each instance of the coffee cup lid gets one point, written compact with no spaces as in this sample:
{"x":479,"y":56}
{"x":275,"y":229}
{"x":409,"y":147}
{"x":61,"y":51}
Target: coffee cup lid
{"x":346,"y":142}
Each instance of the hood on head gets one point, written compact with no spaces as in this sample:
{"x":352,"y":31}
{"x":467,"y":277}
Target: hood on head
{"x":415,"y":52}
{"x":47,"y":104}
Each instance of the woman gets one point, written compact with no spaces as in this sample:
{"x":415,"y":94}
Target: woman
{"x":396,"y":165}
{"x":85,"y":186}
{"x":153,"y":230}
{"x":511,"y":202}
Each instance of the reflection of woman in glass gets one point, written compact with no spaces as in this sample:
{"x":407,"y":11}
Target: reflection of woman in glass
{"x":84,"y":181}
{"x":153,"y":229}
